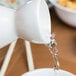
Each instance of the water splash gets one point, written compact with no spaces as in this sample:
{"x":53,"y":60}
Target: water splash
{"x":54,"y":51}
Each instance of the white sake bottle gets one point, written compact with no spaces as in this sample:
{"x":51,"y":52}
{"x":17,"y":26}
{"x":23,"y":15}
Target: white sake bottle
{"x":33,"y":22}
{"x":7,"y":26}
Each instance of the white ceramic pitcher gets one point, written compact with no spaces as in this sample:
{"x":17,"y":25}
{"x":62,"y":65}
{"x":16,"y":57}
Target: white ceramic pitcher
{"x":31,"y":22}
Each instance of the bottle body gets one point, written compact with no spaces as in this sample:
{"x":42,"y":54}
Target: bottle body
{"x":33,"y":22}
{"x":7,"y":26}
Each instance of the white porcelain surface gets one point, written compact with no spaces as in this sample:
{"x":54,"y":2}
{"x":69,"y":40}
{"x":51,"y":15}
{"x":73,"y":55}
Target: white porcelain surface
{"x":33,"y":22}
{"x":65,"y":14}
{"x":47,"y":72}
{"x":7,"y":26}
